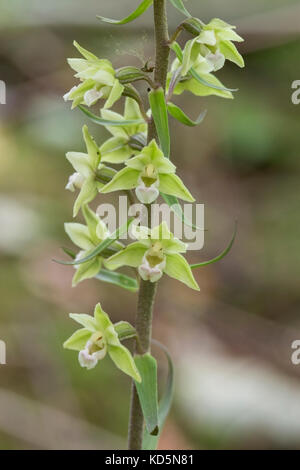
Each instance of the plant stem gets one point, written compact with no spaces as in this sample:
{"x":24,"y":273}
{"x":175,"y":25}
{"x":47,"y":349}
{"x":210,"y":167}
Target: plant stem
{"x":148,"y":289}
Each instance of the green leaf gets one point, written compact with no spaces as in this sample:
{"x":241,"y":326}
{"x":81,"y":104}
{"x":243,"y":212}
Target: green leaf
{"x":102,"y":246}
{"x":178,"y":114}
{"x":150,"y":442}
{"x":178,"y":4}
{"x":147,"y":391}
{"x":160,"y":115}
{"x":172,"y":201}
{"x":219,"y":257}
{"x":118,"y":279}
{"x":124,"y":330}
{"x":176,"y":48}
{"x":107,"y":122}
{"x":138,"y":12}
{"x":69,"y":252}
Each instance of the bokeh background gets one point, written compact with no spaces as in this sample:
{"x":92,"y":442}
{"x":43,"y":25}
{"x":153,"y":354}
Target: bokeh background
{"x":236,"y":387}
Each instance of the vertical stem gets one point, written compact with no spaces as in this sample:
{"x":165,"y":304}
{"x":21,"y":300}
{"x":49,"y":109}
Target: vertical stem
{"x":148,"y":289}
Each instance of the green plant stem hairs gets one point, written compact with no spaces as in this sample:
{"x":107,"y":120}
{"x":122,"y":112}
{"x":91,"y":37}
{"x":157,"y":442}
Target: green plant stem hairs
{"x":139,"y":141}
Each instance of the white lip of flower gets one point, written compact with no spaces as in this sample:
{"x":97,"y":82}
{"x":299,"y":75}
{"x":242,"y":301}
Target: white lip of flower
{"x":92,"y":96}
{"x":95,"y":350}
{"x":217,"y":59}
{"x":76,"y":180}
{"x":149,"y":270}
{"x":66,"y":96}
{"x":147,"y":189}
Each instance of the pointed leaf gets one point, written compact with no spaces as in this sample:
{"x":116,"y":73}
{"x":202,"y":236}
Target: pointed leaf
{"x":147,"y":391}
{"x":178,"y":4}
{"x":160,"y":115}
{"x":178,"y":114}
{"x":151,"y":442}
{"x":107,"y":122}
{"x":138,"y":12}
{"x":219,"y":257}
{"x":103,"y":245}
{"x":118,"y":279}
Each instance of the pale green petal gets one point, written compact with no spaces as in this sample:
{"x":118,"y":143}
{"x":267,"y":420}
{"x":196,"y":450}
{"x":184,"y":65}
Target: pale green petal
{"x":169,"y":242}
{"x":86,"y":270}
{"x":178,"y":268}
{"x":92,"y":148}
{"x":79,"y":65}
{"x":172,"y":184}
{"x":80,"y":163}
{"x":85,"y":53}
{"x":231,"y":53}
{"x":78,"y":340}
{"x":190,"y":54}
{"x":79,"y":234}
{"x":87,"y":193}
{"x":229,"y":35}
{"x":116,"y":131}
{"x":126,"y":178}
{"x":116,"y":150}
{"x":124,"y":361}
{"x":199,"y":89}
{"x":139,"y":162}
{"x":102,"y":319}
{"x":87,"y":321}
{"x":92,"y":221}
{"x":132,"y":256}
{"x":132,"y":112}
{"x":114,"y":95}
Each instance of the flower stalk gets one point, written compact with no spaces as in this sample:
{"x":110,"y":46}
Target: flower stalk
{"x":148,"y":289}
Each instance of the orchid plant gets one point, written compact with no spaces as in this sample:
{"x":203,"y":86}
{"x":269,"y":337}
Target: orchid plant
{"x":139,"y":147}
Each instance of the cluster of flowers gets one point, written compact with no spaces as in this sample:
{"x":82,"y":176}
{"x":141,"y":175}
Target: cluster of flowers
{"x":145,"y":170}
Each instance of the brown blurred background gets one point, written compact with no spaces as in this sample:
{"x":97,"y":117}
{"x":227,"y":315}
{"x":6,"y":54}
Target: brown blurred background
{"x":236,"y":387}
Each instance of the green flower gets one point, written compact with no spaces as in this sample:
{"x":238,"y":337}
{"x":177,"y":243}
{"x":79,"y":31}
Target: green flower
{"x":149,"y":172}
{"x":157,"y":251}
{"x":98,"y":80}
{"x":87,"y":238}
{"x":212,"y":47}
{"x":87,"y":165}
{"x":97,"y":338}
{"x":207,"y":53}
{"x":117,"y":149}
